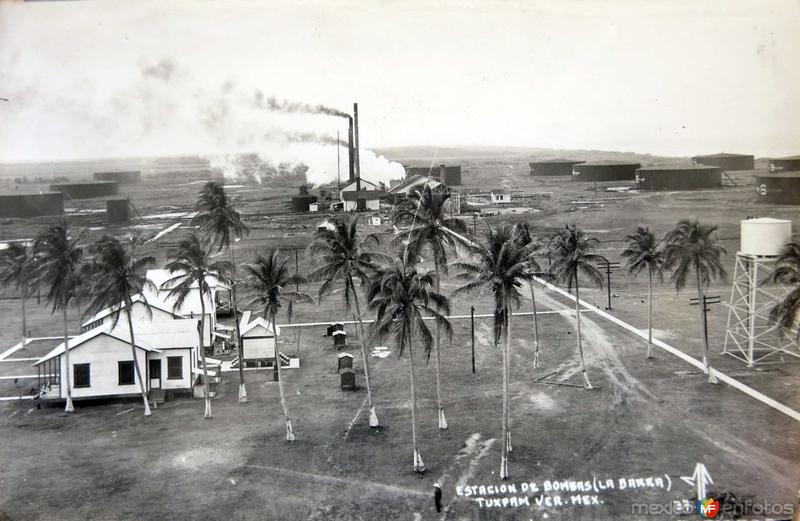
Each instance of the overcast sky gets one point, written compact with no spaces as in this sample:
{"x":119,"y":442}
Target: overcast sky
{"x":674,"y":77}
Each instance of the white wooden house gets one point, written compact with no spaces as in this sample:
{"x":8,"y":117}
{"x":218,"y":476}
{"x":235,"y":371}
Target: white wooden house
{"x":258,"y":339}
{"x":368,"y":198}
{"x":500,"y":197}
{"x":101,"y":362}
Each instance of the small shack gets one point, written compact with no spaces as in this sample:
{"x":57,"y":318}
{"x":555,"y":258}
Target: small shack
{"x":339,"y":339}
{"x":258,"y":340}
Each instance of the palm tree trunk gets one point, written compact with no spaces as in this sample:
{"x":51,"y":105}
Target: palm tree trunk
{"x":201,"y":331}
{"x":535,"y":328}
{"x":586,"y":382}
{"x":373,"y":417}
{"x":701,"y":304}
{"x":649,"y":311}
{"x":128,"y":305}
{"x":442,"y":419}
{"x":239,"y":343}
{"x":419,"y":466}
{"x":505,"y":435}
{"x":289,"y":433}
{"x":69,"y":407}
{"x":24,"y":314}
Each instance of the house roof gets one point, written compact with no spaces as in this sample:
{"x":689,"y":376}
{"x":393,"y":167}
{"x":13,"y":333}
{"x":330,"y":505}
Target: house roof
{"x":413,"y":182}
{"x":363,"y":182}
{"x":153,"y":302}
{"x":77,"y":341}
{"x":171,"y":334}
{"x":246,"y":325}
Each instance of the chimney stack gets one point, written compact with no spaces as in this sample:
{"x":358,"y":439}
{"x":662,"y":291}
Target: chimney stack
{"x":442,"y":171}
{"x":350,"y":153}
{"x":356,"y":158}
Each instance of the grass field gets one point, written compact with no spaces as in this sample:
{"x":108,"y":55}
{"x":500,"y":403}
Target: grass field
{"x":648,"y":419}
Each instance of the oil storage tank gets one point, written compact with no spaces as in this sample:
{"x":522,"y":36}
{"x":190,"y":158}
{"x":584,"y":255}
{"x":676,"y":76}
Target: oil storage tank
{"x":727,"y":161}
{"x":127,"y":177}
{"x":785,"y":164}
{"x":31,"y":205}
{"x":679,"y":178}
{"x":553,"y":167}
{"x":778,"y":188}
{"x":87,"y":190}
{"x":118,"y":210}
{"x":600,"y":171}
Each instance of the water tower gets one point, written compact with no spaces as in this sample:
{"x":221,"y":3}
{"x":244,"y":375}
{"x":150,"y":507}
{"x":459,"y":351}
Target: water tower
{"x":751,"y":336}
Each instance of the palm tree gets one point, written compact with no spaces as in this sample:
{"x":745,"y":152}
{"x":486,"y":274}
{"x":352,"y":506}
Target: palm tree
{"x":402,"y":296}
{"x":116,"y":274}
{"x":692,"y":246}
{"x":432,"y":230}
{"x":523,"y":235}
{"x":268,"y":278}
{"x":502,"y":265}
{"x":17,"y":270}
{"x":785,"y":312}
{"x":58,"y":270}
{"x":221,"y":223}
{"x":644,"y":251}
{"x":191,"y":265}
{"x":570,"y":249}
{"x":345,"y":256}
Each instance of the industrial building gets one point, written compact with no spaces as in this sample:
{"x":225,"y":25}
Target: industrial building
{"x":727,"y":161}
{"x":302,"y":203}
{"x":118,"y":210}
{"x":415,"y":182}
{"x":360,"y":195}
{"x":600,"y":171}
{"x":785,"y":164}
{"x":31,"y":205}
{"x":447,"y":175}
{"x":553,"y":167}
{"x":87,"y":189}
{"x":778,"y":188}
{"x":128,"y":177}
{"x":679,"y":178}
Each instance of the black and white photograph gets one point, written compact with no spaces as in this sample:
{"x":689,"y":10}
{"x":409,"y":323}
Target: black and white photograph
{"x":422,"y":260}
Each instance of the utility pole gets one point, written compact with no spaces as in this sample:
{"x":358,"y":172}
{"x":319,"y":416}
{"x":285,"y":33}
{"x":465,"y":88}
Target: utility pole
{"x":338,"y":167}
{"x":707,"y":301}
{"x":609,"y":267}
{"x":472,"y":321}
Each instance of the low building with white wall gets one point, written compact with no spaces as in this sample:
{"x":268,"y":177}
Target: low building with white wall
{"x":258,"y":339}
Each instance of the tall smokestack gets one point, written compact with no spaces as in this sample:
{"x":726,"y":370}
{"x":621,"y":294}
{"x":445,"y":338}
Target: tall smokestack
{"x":350,"y":152}
{"x":355,"y":147}
{"x":442,"y":170}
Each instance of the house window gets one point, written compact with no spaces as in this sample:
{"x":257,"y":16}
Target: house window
{"x":126,"y":373}
{"x":174,"y":368}
{"x":81,"y":375}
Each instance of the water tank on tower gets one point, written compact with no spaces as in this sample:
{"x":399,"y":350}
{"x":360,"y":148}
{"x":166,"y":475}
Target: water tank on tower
{"x":765,"y":237}
{"x":751,"y":335}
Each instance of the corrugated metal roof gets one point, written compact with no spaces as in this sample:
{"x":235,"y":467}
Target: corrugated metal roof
{"x":77,"y":341}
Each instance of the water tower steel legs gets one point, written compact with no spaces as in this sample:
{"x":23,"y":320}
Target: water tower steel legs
{"x":750,"y":335}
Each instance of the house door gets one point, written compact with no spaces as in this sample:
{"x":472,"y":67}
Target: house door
{"x":155,"y":374}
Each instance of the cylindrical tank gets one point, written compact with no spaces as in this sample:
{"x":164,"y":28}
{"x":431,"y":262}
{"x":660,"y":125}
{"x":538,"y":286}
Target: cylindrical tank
{"x":122,"y":177}
{"x":31,"y":205}
{"x":679,"y":178}
{"x":727,"y":161}
{"x":553,"y":167}
{"x":785,"y":164}
{"x":117,"y":210}
{"x":87,"y":190}
{"x":605,"y":171}
{"x":765,"y":237}
{"x":778,"y":188}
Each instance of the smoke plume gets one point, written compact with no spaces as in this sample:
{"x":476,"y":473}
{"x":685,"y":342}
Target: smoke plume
{"x":166,"y":110}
